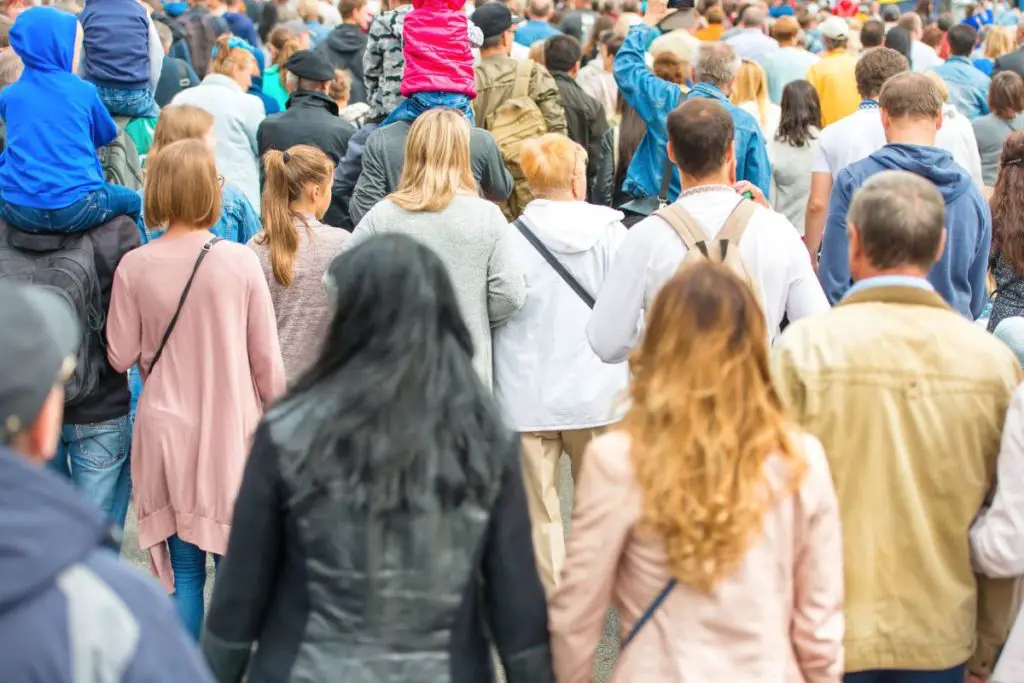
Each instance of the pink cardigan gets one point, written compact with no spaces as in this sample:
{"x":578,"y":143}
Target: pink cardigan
{"x":777,"y":619}
{"x":219,"y":371}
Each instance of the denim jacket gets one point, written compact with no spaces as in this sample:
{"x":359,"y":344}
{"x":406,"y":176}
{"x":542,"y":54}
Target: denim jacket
{"x":653,"y":99}
{"x":968,"y":86}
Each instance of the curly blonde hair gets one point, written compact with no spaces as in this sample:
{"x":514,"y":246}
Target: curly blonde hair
{"x":704,"y":419}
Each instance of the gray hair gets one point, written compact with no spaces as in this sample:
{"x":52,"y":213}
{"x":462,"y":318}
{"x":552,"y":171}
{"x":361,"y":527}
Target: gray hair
{"x":900,"y":218}
{"x":754,"y":17}
{"x":717,"y":64}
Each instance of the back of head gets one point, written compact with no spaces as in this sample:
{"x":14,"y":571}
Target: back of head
{"x":5,"y":30}
{"x":45,"y":38}
{"x":751,"y":83}
{"x":341,"y":86}
{"x":10,"y":69}
{"x":899,"y":218}
{"x":308,"y":10}
{"x":898,"y":39}
{"x":182,"y":187}
{"x":940,"y":84}
{"x":1008,"y":203}
{"x":288,"y":174}
{"x":668,"y":66}
{"x":704,"y":418}
{"x":537,"y":52}
{"x":1006,"y":95}
{"x":681,"y":43}
{"x":279,"y":37}
{"x":932,"y":37}
{"x":911,"y":23}
{"x":539,"y":9}
{"x":872,"y":34}
{"x":230,"y":55}
{"x":911,"y":96}
{"x":397,"y":359}
{"x":701,"y":134}
{"x":551,"y":163}
{"x":348,"y":8}
{"x":562,"y":53}
{"x":890,"y":13}
{"x":801,"y":114}
{"x":436,"y":166}
{"x":754,"y":17}
{"x":717,"y":64}
{"x":786,"y":29}
{"x":180,"y":122}
{"x":715,"y":15}
{"x":998,"y":42}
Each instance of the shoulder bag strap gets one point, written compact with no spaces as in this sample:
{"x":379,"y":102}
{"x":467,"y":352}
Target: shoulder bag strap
{"x":555,"y":263}
{"x":649,"y":612}
{"x":181,"y":302}
{"x":666,"y":180}
{"x":524,"y":69}
{"x":684,"y":225}
{"x":735,"y":225}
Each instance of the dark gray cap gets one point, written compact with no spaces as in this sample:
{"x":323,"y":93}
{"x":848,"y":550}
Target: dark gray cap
{"x":494,"y":18}
{"x":39,"y":337}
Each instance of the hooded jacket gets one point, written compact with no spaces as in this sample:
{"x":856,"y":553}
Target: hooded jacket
{"x":71,"y":611}
{"x":436,"y":47}
{"x":50,"y":160}
{"x":344,"y":48}
{"x":546,"y":377}
{"x":959,"y":275}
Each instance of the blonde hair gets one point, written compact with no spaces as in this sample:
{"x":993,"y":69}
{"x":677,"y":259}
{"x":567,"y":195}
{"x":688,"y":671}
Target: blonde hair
{"x":287,"y":175}
{"x":228,"y":59}
{"x":703,"y":421}
{"x":551,"y":163}
{"x":751,"y":85}
{"x":940,"y":84}
{"x":180,"y":122}
{"x":437,"y":162}
{"x":340,"y":88}
{"x":999,"y":42}
{"x":308,"y":10}
{"x":537,"y":52}
{"x":182,"y":187}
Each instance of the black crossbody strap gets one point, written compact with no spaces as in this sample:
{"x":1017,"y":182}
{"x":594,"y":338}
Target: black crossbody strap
{"x":649,"y":612}
{"x":666,"y":180}
{"x":181,"y":302}
{"x":554,"y":263}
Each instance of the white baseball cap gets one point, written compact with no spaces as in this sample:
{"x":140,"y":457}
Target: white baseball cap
{"x":835,"y":28}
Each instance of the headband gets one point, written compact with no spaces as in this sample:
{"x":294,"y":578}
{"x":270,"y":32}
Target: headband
{"x":236,"y":42}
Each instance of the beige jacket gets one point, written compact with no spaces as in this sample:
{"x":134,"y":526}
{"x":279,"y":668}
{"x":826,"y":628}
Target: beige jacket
{"x":495,"y":80}
{"x":777,"y":619}
{"x":908,"y":399}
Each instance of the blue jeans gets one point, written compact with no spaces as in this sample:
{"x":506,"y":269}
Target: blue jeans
{"x":417,"y":103}
{"x":132,"y":103}
{"x":189,"y":565}
{"x":91,"y":211}
{"x":954,"y":675}
{"x":97,"y":458}
{"x":1010,"y":331}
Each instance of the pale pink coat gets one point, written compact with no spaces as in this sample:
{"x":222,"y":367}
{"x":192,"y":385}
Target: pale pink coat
{"x":219,"y":371}
{"x":777,"y":619}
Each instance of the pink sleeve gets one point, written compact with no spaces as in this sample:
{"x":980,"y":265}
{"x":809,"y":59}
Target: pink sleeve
{"x":124,"y":326}
{"x":264,"y":347}
{"x":818,"y":622}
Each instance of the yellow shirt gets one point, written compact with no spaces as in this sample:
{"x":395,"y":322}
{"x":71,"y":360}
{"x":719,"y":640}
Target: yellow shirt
{"x":833,"y":77}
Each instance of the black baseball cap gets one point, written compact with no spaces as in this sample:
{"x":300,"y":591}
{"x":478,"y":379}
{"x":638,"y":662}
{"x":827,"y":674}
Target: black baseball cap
{"x":494,"y":18}
{"x":310,"y":65}
{"x":39,"y":337}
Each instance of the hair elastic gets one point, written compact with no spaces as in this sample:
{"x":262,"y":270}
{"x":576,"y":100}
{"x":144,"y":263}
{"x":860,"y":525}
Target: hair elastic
{"x":286,"y":156}
{"x":1013,"y":162}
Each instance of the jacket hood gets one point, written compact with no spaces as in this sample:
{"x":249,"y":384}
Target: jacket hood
{"x":45,"y":526}
{"x":569,"y":227}
{"x":44,"y":38}
{"x":346,"y":38}
{"x":935,"y":164}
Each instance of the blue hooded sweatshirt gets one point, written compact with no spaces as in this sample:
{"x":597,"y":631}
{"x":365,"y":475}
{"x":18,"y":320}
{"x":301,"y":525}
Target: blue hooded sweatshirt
{"x":654,"y":98}
{"x":70,"y":608}
{"x":55,"y":120}
{"x":959,"y":275}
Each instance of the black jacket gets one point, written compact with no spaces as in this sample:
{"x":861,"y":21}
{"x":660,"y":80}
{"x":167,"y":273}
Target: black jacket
{"x":1010,"y":62}
{"x":330,"y":595}
{"x":311,"y":119}
{"x":344,"y":46}
{"x":585,"y":119}
{"x":578,"y":23}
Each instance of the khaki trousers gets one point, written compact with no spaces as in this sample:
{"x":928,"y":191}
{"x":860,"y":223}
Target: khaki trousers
{"x":541,"y":453}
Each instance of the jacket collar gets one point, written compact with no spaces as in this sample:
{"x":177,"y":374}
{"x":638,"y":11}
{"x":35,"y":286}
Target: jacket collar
{"x":896,"y":294}
{"x":708,"y":91}
{"x":564,"y":77}
{"x":312,"y":100}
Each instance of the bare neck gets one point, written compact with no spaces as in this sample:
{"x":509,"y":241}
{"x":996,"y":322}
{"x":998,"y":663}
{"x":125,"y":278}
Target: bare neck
{"x":721,"y":177}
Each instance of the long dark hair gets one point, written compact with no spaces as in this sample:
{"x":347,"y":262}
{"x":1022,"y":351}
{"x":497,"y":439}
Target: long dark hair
{"x":801,"y":111}
{"x":393,"y":416}
{"x":1008,"y":205}
{"x":632,"y":130}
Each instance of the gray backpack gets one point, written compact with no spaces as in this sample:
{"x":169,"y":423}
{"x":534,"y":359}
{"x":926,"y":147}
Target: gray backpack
{"x":120,"y":159}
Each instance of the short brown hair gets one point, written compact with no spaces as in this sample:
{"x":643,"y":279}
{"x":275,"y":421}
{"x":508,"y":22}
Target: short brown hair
{"x":668,"y":66}
{"x":340,"y":88}
{"x":876,"y":67}
{"x":910,"y":22}
{"x":1006,"y":94}
{"x":700,"y":132}
{"x":182,"y":186}
{"x":5,"y":30}
{"x":180,"y":122}
{"x":932,"y":37}
{"x":349,"y":7}
{"x":715,"y":15}
{"x":911,"y":95}
{"x":785,"y":28}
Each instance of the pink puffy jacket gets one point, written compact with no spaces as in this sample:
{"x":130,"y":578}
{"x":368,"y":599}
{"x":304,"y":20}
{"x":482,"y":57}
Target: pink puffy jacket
{"x":435,"y":42}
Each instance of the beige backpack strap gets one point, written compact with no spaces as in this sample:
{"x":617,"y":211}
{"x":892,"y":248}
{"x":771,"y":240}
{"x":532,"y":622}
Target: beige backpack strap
{"x":524,"y":69}
{"x":684,"y":225}
{"x":735,"y":225}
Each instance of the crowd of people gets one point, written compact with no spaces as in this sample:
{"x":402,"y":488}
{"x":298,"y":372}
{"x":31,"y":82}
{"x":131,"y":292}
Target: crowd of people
{"x":320,"y":293}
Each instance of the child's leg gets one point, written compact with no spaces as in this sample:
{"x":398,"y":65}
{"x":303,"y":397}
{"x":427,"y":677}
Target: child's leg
{"x":25,"y":218}
{"x":420,"y":102}
{"x":131,"y":103}
{"x":97,"y":208}
{"x":406,"y":111}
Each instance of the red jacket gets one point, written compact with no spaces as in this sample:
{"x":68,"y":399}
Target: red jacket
{"x":435,"y":42}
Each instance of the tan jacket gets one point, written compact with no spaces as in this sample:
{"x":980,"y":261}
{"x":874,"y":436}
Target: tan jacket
{"x":495,"y":78}
{"x":908,"y":399}
{"x":777,"y":619}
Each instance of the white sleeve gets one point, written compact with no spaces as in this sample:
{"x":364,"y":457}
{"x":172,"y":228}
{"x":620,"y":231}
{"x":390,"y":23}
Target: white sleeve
{"x":156,"y":55}
{"x":997,"y":537}
{"x":617,"y":319}
{"x":805,"y":296}
{"x":820,"y":162}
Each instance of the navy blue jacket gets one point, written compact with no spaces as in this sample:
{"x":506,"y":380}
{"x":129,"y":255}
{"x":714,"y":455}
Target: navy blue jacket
{"x":70,"y":608}
{"x":959,"y":276}
{"x":242,"y":26}
{"x":115,"y":44}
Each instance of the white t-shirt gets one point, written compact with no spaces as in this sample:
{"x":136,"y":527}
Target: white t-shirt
{"x":652,"y":251}
{"x":923,"y":57}
{"x":957,"y":137}
{"x":849,"y":139}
